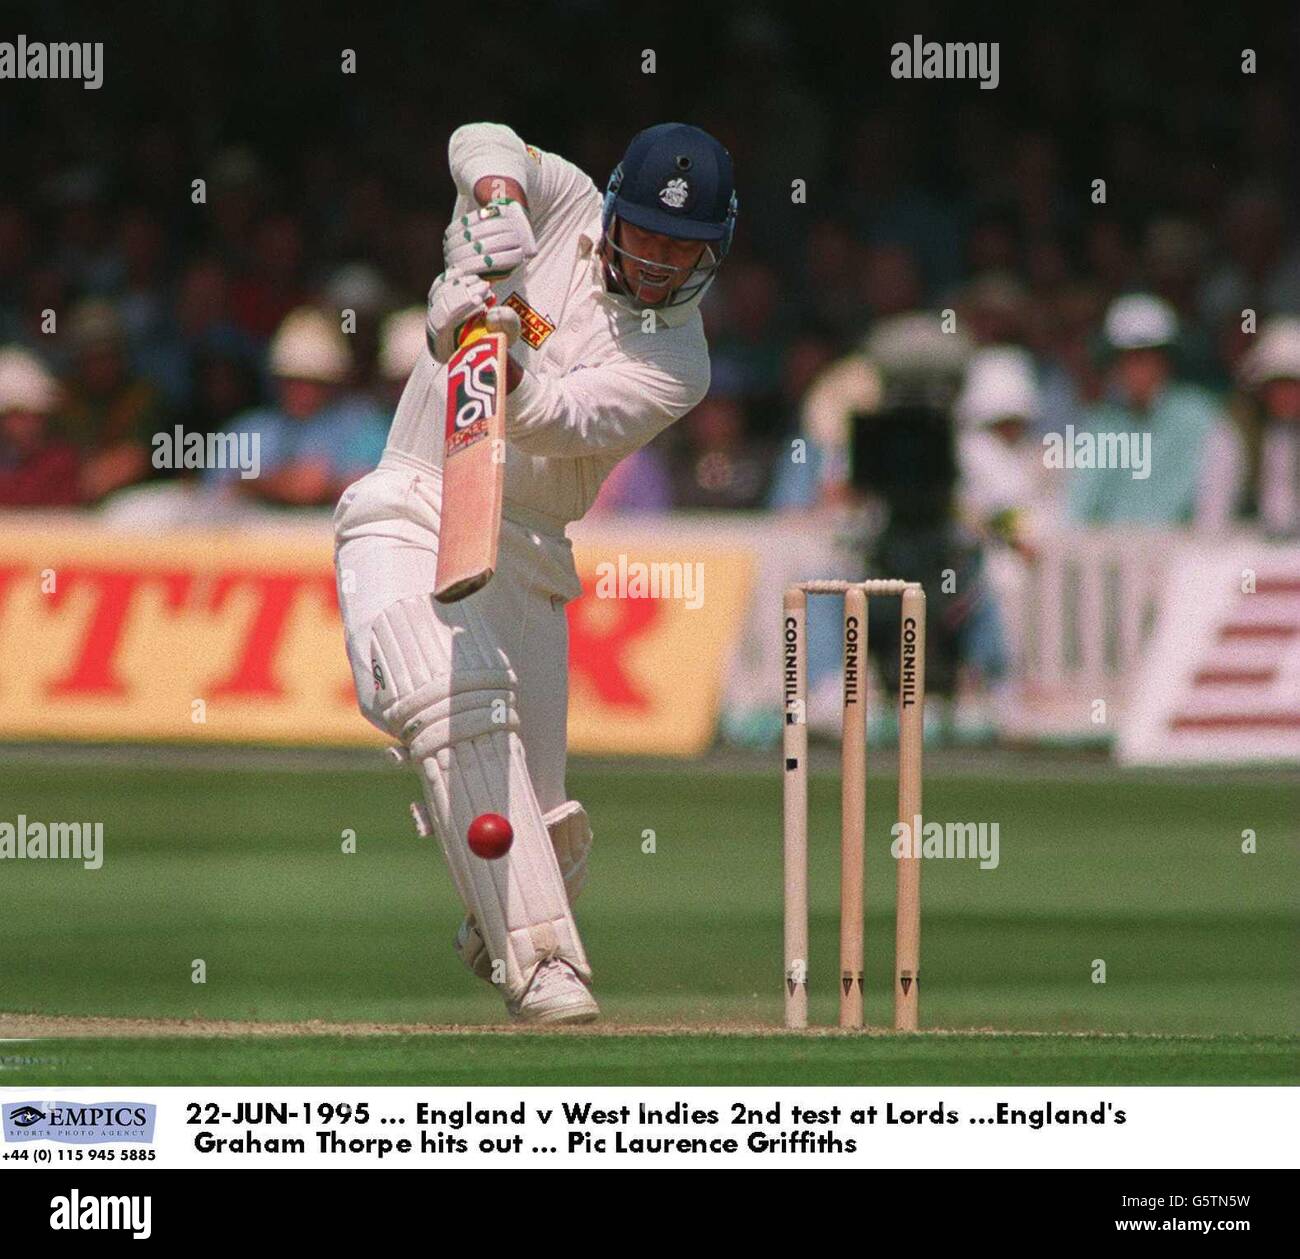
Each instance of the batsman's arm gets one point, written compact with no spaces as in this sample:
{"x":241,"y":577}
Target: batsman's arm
{"x":485,"y":158}
{"x":612,"y":409}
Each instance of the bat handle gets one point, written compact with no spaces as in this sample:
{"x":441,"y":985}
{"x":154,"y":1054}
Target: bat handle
{"x":474,"y":327}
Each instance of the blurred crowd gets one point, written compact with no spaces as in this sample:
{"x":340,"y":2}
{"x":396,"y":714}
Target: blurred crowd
{"x":287,"y":300}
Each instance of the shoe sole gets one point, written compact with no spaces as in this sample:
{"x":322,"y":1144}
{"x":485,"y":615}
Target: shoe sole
{"x":561,"y":1016}
{"x":586,"y":1013}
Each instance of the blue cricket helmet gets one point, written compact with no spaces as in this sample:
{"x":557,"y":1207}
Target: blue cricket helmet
{"x":675,"y":180}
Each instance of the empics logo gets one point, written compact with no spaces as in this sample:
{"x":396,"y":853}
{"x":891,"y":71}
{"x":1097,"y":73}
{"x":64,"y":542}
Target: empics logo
{"x":78,"y":1123}
{"x":131,"y":1213}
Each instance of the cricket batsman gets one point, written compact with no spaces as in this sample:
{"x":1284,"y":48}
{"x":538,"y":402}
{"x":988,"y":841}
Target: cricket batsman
{"x":598,"y":298}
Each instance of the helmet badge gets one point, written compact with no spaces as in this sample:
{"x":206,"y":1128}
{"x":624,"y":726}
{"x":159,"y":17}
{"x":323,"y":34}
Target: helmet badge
{"x":674,"y":193}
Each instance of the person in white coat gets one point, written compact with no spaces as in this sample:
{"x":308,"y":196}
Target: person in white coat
{"x":599,"y":297}
{"x":1257,"y":481}
{"x":1005,"y":492}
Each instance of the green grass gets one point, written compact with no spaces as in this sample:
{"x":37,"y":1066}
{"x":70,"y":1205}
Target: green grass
{"x":512,"y":1059}
{"x":244,"y":871}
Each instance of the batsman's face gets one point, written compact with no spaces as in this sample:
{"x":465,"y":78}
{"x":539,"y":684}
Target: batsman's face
{"x":654,"y":266}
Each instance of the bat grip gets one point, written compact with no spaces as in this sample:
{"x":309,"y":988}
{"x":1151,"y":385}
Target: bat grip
{"x":474,"y":328}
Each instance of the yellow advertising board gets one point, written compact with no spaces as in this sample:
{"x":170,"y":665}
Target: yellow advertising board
{"x":650,"y":643}
{"x":235,"y":636}
{"x":225,"y":636}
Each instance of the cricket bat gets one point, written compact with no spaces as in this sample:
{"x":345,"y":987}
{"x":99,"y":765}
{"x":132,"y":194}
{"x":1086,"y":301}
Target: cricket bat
{"x":473,"y":464}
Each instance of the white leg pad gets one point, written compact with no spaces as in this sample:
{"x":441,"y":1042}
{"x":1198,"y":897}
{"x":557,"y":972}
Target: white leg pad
{"x":570,"y":837}
{"x":450,"y":699}
{"x":570,"y":832}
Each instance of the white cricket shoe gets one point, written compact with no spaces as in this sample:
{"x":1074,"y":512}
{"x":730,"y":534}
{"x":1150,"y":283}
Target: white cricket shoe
{"x":556,"y":995}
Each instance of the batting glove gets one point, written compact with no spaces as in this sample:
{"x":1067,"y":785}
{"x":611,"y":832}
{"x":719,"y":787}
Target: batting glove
{"x":490,"y":242}
{"x":454,"y":300}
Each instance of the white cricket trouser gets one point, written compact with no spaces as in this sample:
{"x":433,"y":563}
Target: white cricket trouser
{"x":386,"y":549}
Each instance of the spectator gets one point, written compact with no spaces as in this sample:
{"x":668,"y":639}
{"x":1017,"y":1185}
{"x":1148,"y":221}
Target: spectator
{"x":1063,"y":340}
{"x":820,"y":475}
{"x":1262,"y":270}
{"x":225,"y":383}
{"x":402,"y":340}
{"x":264,"y":295}
{"x":15,"y":260}
{"x":359,"y":288}
{"x":143,"y":298}
{"x":1273,"y":370}
{"x":1160,"y":425}
{"x":203,"y":328}
{"x":640,"y":483}
{"x":238,"y":186}
{"x":795,"y":479}
{"x":1006,"y":494}
{"x":1172,"y":258}
{"x":1173,"y":253}
{"x":36,"y":469}
{"x":1261,"y":476}
{"x":715,"y":465}
{"x":746,"y":349}
{"x":315,"y":439}
{"x":886,"y":203}
{"x":111,"y":414}
{"x":1005,"y":490}
{"x":832,"y":268}
{"x":81,"y":247}
{"x":890,"y":283}
{"x":994,"y":309}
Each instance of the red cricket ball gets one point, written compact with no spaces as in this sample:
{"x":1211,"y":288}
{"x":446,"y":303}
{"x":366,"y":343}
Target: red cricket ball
{"x":490,"y":836}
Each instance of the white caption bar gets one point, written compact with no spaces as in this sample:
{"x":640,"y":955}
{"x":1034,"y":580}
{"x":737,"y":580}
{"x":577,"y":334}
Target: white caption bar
{"x":681,"y":1127}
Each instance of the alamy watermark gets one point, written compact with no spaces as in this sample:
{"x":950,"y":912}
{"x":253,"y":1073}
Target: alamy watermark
{"x":179,"y":449}
{"x":635,"y":579}
{"x":1098,"y":450}
{"x":930,"y":60}
{"x":32,"y":59}
{"x":58,"y":841}
{"x":953,"y":841}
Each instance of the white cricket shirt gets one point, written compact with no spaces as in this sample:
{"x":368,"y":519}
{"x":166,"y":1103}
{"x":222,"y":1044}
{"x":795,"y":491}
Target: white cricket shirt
{"x":597,"y":385}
